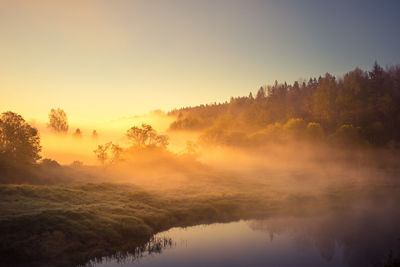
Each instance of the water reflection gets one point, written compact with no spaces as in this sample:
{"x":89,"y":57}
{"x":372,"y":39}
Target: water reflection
{"x":360,"y":235}
{"x":364,"y":235}
{"x":155,"y":246}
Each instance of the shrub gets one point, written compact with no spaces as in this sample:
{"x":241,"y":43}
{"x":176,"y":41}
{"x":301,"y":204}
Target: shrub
{"x":346,"y":134}
{"x":295,"y":127}
{"x":314,"y":131}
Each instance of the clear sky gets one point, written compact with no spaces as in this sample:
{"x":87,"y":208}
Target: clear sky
{"x":102,"y":59}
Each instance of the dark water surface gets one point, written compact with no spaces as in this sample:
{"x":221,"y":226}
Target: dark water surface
{"x":364,"y":235}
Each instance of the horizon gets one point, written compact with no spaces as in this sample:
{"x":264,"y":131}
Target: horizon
{"x":129,"y":58}
{"x":43,"y":121}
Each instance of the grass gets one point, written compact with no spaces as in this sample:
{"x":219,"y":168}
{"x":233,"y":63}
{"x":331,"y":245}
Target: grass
{"x":70,"y":224}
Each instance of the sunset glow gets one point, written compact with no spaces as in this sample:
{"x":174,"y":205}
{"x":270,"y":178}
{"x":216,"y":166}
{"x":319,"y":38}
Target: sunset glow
{"x":180,"y":133}
{"x":102,"y":60}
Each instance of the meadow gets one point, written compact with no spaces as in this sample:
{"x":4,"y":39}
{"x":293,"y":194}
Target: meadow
{"x":108,"y":211}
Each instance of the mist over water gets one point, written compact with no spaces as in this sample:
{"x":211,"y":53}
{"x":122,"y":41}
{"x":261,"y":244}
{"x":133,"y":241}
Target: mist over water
{"x":355,"y":236}
{"x":273,"y":135}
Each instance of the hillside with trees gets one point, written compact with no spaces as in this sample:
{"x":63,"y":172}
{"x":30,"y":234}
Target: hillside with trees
{"x":362,"y":106}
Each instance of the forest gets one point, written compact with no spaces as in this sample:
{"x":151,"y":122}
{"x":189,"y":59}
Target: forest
{"x":360,"y":108}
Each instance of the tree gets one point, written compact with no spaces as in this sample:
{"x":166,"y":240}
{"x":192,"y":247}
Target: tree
{"x":295,"y":127}
{"x":139,"y":136}
{"x":161,"y":141}
{"x":95,"y":135}
{"x":261,"y":94}
{"x":116,"y":152}
{"x":146,"y":136}
{"x":324,"y":97}
{"x":78,"y":133}
{"x":102,"y":153}
{"x":19,"y":142}
{"x":352,"y":100}
{"x":58,"y":120}
{"x":77,"y":164}
{"x":346,"y":134}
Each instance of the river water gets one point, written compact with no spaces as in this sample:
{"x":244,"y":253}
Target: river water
{"x":358,"y":236}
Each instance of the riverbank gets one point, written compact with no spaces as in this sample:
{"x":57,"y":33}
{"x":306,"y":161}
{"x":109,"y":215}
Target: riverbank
{"x":66,"y":225}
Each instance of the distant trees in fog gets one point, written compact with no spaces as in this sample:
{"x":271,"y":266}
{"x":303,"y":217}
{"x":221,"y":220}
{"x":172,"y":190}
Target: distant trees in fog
{"x":108,"y":153}
{"x":141,"y":138}
{"x":146,"y":136}
{"x":101,"y":153}
{"x":95,"y":135}
{"x":78,"y":133}
{"x":58,"y":121}
{"x":364,"y":105}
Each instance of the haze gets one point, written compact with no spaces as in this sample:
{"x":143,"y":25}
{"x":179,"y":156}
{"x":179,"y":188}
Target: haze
{"x":121,"y":120}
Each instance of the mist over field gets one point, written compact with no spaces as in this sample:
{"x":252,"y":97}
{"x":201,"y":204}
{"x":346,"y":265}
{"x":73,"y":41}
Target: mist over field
{"x":199,"y":133}
{"x":94,"y":191}
{"x":124,"y":180}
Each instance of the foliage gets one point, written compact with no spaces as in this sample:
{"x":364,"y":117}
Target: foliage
{"x":50,"y":163}
{"x":58,"y":120}
{"x":315,"y":131}
{"x":19,"y":142}
{"x":189,"y":122}
{"x":116,"y":152}
{"x":272,"y":133}
{"x":295,"y":127}
{"x":95,"y":135}
{"x":78,"y":133}
{"x":146,"y":136}
{"x":102,"y":153}
{"x":346,"y":134}
{"x":370,"y":101}
{"x":77,"y":164}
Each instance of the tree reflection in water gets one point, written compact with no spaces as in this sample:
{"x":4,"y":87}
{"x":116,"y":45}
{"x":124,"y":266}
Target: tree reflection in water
{"x":367,"y":233}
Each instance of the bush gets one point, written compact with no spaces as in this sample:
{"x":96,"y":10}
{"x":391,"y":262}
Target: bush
{"x":295,"y":127}
{"x":272,"y":133}
{"x":49,"y":163}
{"x":314,"y":131}
{"x":346,"y":134}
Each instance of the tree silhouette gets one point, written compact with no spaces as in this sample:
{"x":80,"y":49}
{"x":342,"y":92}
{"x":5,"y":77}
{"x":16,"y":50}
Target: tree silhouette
{"x":95,"y":135}
{"x":19,"y":142}
{"x":78,"y":133}
{"x":102,"y":153}
{"x":146,"y":136}
{"x":116,"y":152}
{"x":58,"y":120}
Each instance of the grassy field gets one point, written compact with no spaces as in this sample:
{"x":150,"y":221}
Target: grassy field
{"x":71,"y":223}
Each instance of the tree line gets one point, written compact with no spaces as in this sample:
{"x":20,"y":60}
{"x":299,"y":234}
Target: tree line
{"x":362,"y":103}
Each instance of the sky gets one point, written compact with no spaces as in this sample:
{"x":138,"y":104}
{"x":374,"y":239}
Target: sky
{"x":100,"y":60}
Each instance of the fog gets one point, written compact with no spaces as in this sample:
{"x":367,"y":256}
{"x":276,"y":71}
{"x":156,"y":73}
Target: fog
{"x":293,"y":167}
{"x":138,"y":177}
{"x":66,"y":148}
